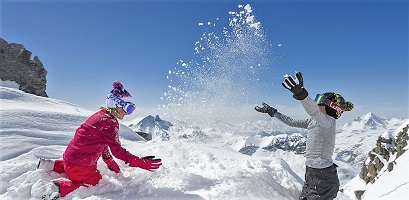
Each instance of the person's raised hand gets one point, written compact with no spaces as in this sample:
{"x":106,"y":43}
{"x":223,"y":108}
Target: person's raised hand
{"x":296,"y":86}
{"x":266,"y":109}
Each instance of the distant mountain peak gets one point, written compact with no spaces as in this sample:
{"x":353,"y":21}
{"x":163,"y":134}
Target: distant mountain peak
{"x":154,"y":126}
{"x":369,"y":120}
{"x":357,"y":137}
{"x":372,"y":120}
{"x":369,"y":116}
{"x":151,"y":122}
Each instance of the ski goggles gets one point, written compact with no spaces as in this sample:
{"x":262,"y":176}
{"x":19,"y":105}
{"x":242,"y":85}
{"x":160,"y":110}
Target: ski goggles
{"x":320,"y":99}
{"x":323,"y":100}
{"x":128,"y":107}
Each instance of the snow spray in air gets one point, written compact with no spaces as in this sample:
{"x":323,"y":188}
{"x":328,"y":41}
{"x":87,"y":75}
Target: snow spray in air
{"x":219,"y":84}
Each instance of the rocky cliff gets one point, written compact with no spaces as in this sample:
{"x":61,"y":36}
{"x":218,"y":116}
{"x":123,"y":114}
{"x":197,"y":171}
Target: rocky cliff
{"x":387,"y":150}
{"x":382,"y":157}
{"x":16,"y":65}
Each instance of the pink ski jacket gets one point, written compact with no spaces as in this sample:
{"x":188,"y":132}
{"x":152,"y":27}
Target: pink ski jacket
{"x":92,"y":139}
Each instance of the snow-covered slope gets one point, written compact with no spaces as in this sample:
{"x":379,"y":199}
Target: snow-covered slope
{"x":387,"y":184}
{"x":391,"y":185}
{"x":198,"y":162}
{"x":192,"y":168}
{"x":28,"y":121}
{"x":154,"y":126}
{"x":355,"y":139}
{"x":272,"y":138}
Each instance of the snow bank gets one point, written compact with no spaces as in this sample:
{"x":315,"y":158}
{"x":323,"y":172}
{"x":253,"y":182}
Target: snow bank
{"x":192,"y":168}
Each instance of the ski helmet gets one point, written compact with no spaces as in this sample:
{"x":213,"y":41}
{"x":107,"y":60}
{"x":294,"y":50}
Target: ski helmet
{"x":340,"y":106}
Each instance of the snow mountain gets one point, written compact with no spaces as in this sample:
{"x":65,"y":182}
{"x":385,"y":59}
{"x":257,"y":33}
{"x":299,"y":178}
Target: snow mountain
{"x":367,"y":121}
{"x":153,"y":126}
{"x":356,"y":138}
{"x":287,"y":142}
{"x":385,"y":170}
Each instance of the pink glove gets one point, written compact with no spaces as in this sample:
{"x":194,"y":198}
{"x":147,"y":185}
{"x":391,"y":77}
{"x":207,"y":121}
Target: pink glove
{"x":112,"y":165}
{"x":147,"y":163}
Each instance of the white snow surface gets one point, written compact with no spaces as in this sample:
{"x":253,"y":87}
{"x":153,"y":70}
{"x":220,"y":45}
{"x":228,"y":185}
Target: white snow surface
{"x":356,"y":138}
{"x":388,"y":185}
{"x":10,"y":84}
{"x":204,"y":164}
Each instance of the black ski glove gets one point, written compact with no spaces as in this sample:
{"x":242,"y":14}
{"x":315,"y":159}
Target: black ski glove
{"x":149,"y":157}
{"x":266,"y":109}
{"x":298,"y":90}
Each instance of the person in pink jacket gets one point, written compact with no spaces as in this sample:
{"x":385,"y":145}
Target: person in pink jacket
{"x":97,"y":137}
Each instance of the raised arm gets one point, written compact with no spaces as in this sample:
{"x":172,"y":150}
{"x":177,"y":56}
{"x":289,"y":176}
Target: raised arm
{"x":283,"y":118}
{"x":300,"y":93}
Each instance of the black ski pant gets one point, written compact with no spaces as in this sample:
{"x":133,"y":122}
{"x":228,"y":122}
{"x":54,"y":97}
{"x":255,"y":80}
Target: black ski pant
{"x":320,"y":184}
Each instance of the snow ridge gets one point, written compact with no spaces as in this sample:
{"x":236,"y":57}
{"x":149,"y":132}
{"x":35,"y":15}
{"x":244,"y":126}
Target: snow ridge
{"x":385,"y":169}
{"x":356,"y":138}
{"x":154,"y":126}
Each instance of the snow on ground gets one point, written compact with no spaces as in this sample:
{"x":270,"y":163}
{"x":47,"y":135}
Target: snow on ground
{"x":203,"y":164}
{"x":195,"y":168}
{"x":391,"y":185}
{"x":388,"y":185}
{"x":191,"y":169}
{"x":356,"y":138}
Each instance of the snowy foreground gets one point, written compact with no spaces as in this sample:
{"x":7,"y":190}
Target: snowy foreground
{"x":203,"y":166}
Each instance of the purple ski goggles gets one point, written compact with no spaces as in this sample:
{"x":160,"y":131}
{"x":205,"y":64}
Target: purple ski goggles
{"x":129,"y":107}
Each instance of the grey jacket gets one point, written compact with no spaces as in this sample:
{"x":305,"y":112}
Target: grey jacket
{"x":321,"y":134}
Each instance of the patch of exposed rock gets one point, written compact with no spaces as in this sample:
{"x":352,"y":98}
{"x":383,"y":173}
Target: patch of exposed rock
{"x":385,"y":153}
{"x":16,"y":65}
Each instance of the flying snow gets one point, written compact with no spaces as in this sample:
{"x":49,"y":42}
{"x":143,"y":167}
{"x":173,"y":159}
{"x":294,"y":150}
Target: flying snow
{"x":228,"y":69}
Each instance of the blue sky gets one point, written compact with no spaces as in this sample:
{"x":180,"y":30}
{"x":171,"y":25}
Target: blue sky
{"x":356,"y":48}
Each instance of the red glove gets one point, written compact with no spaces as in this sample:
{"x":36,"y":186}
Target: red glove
{"x":147,"y":163}
{"x":112,"y":165}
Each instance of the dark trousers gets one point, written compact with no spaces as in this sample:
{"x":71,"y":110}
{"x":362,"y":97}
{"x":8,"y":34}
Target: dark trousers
{"x":320,"y":184}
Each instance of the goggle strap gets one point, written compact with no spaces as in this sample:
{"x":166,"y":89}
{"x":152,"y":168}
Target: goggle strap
{"x":126,"y":106}
{"x":117,"y":100}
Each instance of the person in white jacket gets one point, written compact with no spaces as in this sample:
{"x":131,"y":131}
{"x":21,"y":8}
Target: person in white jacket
{"x":321,"y":179}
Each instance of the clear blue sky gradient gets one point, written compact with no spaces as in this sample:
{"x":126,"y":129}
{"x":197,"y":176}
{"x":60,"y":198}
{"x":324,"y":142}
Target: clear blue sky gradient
{"x":356,"y":48}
